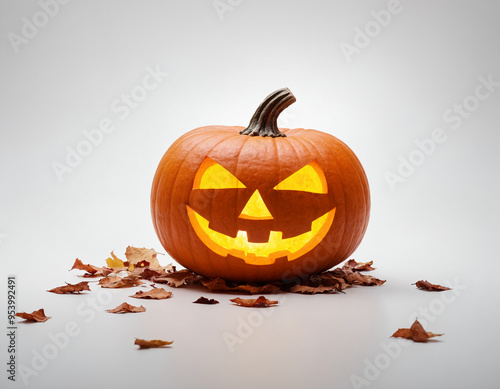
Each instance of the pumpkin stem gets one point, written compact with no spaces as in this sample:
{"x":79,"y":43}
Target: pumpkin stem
{"x":264,"y":121}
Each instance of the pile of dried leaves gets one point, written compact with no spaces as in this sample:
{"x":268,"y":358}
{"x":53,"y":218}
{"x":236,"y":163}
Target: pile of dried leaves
{"x":142,"y":264}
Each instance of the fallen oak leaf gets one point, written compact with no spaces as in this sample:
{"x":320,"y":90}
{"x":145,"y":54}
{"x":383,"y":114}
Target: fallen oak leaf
{"x":125,"y":307}
{"x":137,"y":255}
{"x":320,"y":283}
{"x":155,"y":294}
{"x":36,"y":316}
{"x":416,"y":333}
{"x":146,"y":273}
{"x":220,"y":285}
{"x":338,"y":282}
{"x":119,"y":282}
{"x":204,"y":300}
{"x":177,"y":278}
{"x":426,"y":285}
{"x":359,"y":266}
{"x":169,"y":268}
{"x":257,"y":289}
{"x":92,"y":271}
{"x":356,"y":278}
{"x":260,"y":302}
{"x":79,"y":265}
{"x":306,"y":289}
{"x":71,"y":288}
{"x":155,"y":343}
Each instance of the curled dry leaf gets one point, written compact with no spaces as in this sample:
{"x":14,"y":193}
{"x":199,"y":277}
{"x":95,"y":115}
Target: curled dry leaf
{"x":155,"y":294}
{"x":155,"y":343}
{"x":358,"y":266}
{"x":79,"y":265}
{"x":416,"y":333}
{"x":320,"y":283}
{"x":426,"y":285}
{"x":306,"y":289}
{"x":125,"y":307}
{"x":220,"y":285}
{"x":336,"y":280}
{"x":146,"y":273}
{"x":356,"y":278}
{"x":71,"y":288}
{"x":37,"y":316}
{"x":177,"y":278}
{"x":204,"y":300}
{"x":119,"y":282}
{"x":137,"y":257}
{"x":259,"y":302}
{"x":92,"y":271}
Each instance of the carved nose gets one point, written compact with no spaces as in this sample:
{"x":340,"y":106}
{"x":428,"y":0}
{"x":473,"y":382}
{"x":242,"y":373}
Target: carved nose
{"x":255,"y":208}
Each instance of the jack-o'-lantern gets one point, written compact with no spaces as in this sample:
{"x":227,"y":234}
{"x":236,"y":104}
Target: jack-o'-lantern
{"x":260,"y":203}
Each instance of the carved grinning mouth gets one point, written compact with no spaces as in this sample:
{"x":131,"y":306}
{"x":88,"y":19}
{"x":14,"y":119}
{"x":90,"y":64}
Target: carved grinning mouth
{"x":261,"y":253}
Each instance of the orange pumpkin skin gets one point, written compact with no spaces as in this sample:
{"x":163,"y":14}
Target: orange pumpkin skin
{"x":259,"y":164}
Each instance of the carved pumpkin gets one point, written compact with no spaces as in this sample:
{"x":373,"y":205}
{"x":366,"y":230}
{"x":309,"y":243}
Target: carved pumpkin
{"x":260,"y":203}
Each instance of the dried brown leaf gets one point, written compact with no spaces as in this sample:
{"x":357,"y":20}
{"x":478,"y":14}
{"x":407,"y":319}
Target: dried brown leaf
{"x":137,"y":257}
{"x":71,"y":288}
{"x":125,"y":307}
{"x":155,"y":294}
{"x":37,"y":316}
{"x":92,"y":271}
{"x":416,"y":333}
{"x":204,"y":300}
{"x":146,"y":273}
{"x":330,"y":279}
{"x":318,"y":283}
{"x":119,"y":282}
{"x":169,"y":268}
{"x":356,"y":278}
{"x":306,"y":289}
{"x":426,"y":285}
{"x":220,"y":285}
{"x":79,"y":265}
{"x":336,"y":280}
{"x":257,"y":289}
{"x":259,"y":302}
{"x":359,"y":266}
{"x":177,"y":278}
{"x":155,"y":343}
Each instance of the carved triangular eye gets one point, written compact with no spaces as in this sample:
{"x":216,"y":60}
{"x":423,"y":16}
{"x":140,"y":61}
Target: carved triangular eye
{"x":309,"y":178}
{"x":211,"y":175}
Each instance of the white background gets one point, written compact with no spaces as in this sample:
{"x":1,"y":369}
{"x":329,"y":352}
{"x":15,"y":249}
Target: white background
{"x":439,"y":223}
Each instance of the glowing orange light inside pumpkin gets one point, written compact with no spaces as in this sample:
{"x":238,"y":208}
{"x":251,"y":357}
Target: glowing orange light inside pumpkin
{"x":255,"y":208}
{"x":309,"y":178}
